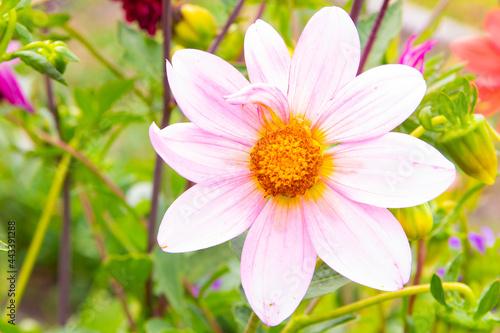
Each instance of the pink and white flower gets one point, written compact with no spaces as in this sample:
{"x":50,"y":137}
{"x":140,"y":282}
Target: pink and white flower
{"x":302,"y":157}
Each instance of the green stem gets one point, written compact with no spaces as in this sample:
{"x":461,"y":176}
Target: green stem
{"x":43,"y":223}
{"x":252,"y":324}
{"x":300,"y":322}
{"x":420,"y":130}
{"x":450,"y":218}
{"x":9,"y":31}
{"x":111,"y":67}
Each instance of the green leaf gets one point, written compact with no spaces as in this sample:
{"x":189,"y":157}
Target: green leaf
{"x":327,"y":325}
{"x":23,"y":4}
{"x":325,"y":281}
{"x":453,"y":270}
{"x":157,"y":325}
{"x":462,"y":106}
{"x":7,"y":5}
{"x":446,"y":108}
{"x":66,"y":53}
{"x":111,"y":92}
{"x":142,"y":52}
{"x":237,"y":244}
{"x":167,"y":276}
{"x":58,"y":19}
{"x":389,"y":29}
{"x":85,"y":101}
{"x":488,"y":301}
{"x":130,"y":270}
{"x":437,"y":290}
{"x":23,"y":34}
{"x":41,"y":64}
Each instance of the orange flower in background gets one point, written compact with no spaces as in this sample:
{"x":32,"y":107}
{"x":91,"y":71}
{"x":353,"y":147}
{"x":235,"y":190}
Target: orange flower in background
{"x":482,"y":54}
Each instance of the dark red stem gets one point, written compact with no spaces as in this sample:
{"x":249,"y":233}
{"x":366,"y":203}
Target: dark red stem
{"x":357,"y":5}
{"x":373,"y":35}
{"x":229,"y":21}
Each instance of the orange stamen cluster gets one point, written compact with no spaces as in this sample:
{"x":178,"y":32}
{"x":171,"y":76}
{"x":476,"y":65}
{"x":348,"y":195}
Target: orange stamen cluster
{"x":286,"y":161}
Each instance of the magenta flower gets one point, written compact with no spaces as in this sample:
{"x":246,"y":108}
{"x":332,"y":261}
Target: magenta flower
{"x":302,"y":156}
{"x":414,"y":55}
{"x":10,"y":90}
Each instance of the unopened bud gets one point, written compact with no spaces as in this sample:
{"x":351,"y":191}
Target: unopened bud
{"x":416,"y":221}
{"x":194,"y":26}
{"x":471,"y":148}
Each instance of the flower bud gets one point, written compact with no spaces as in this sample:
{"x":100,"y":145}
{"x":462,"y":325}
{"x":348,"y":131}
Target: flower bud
{"x":471,"y":148}
{"x":416,"y":221}
{"x":194,"y":26}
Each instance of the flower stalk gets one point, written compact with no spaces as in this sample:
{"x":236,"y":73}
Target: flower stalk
{"x":357,"y":5}
{"x":300,"y":322}
{"x":373,"y":36}
{"x":228,"y":23}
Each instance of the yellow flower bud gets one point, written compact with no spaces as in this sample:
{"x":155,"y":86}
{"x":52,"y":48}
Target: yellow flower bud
{"x":194,"y":26}
{"x":471,"y":148}
{"x":416,"y":221}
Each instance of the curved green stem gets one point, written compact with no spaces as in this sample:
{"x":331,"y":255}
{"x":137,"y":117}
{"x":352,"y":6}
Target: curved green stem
{"x":300,"y":322}
{"x":456,"y":211}
{"x":252,"y":324}
{"x":43,"y":223}
{"x":420,"y":130}
{"x":9,"y":31}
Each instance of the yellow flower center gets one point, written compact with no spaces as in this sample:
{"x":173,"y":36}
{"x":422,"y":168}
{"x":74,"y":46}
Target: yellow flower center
{"x":286,"y":161}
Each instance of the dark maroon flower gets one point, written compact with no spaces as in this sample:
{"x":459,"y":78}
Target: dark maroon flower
{"x":146,"y":12}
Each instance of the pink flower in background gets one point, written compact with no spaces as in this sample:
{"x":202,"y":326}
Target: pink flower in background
{"x":482,"y":54}
{"x":302,"y":157}
{"x":10,"y":89}
{"x":414,"y":55}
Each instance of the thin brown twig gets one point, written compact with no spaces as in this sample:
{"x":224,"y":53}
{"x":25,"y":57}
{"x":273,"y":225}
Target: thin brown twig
{"x":64,"y":261}
{"x":357,"y":5}
{"x":230,"y":20}
{"x":421,"y":250}
{"x":153,"y":214}
{"x":373,"y":36}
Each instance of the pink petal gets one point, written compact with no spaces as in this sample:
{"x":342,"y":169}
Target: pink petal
{"x":492,"y":25}
{"x":210,"y":213}
{"x":265,"y":95}
{"x":325,"y":59}
{"x":395,"y":170}
{"x":198,"y":155}
{"x":277,"y":262}
{"x":10,"y":89}
{"x":266,"y":56}
{"x":199,"y":82}
{"x":481,"y":54}
{"x":364,"y":243}
{"x":372,"y":104}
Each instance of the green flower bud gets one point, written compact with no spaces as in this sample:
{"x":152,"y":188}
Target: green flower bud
{"x":471,"y":148}
{"x":194,"y":26}
{"x":416,"y":221}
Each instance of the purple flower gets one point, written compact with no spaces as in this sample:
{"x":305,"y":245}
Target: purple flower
{"x":477,"y":241}
{"x":414,"y":55}
{"x":440,"y":272}
{"x":489,"y":236}
{"x":10,"y":90}
{"x":455,"y":243}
